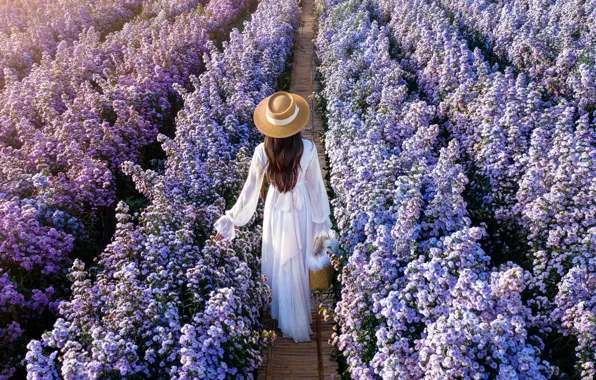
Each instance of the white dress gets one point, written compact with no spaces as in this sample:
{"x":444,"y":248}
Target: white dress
{"x":290,"y":223}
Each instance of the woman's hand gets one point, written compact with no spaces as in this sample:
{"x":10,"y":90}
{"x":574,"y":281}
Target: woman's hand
{"x":219,"y":236}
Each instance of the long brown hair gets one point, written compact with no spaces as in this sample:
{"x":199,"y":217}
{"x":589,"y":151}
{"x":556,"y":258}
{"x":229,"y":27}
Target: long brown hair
{"x":283,"y":155}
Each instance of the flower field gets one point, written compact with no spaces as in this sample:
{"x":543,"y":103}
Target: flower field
{"x":461,"y":146}
{"x":67,"y":127}
{"x":163,"y":301}
{"x":465,"y":187}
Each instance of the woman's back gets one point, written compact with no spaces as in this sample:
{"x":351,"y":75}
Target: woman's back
{"x":309,"y":179}
{"x":307,"y":155}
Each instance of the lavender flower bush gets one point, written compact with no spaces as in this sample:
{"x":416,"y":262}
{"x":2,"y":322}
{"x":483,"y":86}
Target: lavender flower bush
{"x":425,"y":140}
{"x":461,"y":138}
{"x":30,"y":29}
{"x":68,"y":127}
{"x":503,"y":120}
{"x":164,"y":299}
{"x":552,"y":41}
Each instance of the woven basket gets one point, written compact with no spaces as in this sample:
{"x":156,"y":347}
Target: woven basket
{"x":321,"y":279}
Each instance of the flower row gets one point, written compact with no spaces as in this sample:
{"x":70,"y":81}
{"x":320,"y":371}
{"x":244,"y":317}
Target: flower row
{"x":30,"y":29}
{"x":165,"y":300}
{"x":526,"y":174}
{"x":551,"y":41}
{"x":530,"y":159}
{"x":68,"y":126}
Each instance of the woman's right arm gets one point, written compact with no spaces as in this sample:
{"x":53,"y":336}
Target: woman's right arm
{"x":246,"y":204}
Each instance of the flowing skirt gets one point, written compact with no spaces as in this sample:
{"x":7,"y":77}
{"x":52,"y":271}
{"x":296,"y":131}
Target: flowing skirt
{"x":283,"y":262}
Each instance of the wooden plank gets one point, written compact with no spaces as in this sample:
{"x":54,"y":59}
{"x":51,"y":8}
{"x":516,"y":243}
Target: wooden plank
{"x":269,"y":361}
{"x":319,"y":351}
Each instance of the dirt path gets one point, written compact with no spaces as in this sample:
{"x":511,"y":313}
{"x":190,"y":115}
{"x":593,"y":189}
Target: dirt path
{"x":307,"y":360}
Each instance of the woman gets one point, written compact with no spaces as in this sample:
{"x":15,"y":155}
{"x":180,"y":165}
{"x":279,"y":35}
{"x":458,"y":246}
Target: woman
{"x":296,"y":208}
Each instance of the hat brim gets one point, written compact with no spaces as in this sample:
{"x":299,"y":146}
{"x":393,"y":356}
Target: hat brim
{"x":281,"y":131}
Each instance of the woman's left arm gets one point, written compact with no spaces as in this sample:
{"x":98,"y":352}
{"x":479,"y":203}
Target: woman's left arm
{"x":246,"y":205}
{"x":318,"y":195}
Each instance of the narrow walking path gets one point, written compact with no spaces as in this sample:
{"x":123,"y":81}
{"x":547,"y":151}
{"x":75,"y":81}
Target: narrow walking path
{"x":306,"y":360}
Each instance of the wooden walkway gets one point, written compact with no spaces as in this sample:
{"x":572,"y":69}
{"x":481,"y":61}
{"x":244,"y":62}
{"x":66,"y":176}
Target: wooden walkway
{"x":285,"y":359}
{"x":303,"y":77}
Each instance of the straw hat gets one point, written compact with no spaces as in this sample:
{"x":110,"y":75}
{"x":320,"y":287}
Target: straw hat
{"x":281,"y":114}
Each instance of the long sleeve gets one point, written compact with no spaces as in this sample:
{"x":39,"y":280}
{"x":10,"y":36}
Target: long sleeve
{"x":246,"y":204}
{"x":318,"y":194}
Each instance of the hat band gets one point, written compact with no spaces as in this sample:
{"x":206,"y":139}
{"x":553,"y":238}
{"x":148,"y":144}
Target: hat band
{"x":285,"y":121}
